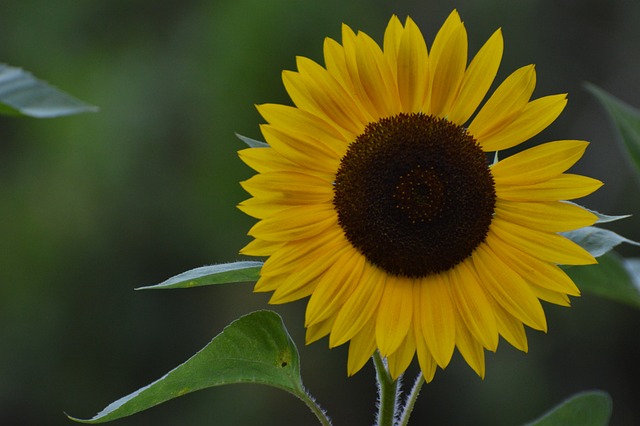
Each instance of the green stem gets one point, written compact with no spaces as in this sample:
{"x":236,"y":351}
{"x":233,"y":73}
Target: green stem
{"x":388,"y":393}
{"x":315,"y":408}
{"x":411,"y":400}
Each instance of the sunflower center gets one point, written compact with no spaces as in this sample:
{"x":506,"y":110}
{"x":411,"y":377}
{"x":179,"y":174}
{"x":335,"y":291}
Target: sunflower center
{"x":414,"y":194}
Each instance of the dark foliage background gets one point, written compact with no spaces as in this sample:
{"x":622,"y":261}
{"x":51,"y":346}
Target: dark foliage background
{"x":92,"y":206}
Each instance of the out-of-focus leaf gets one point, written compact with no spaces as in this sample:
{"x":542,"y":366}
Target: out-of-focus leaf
{"x":626,"y":120}
{"x":253,"y":349}
{"x":253,"y":143}
{"x":611,"y":278}
{"x":23,"y":94}
{"x":236,"y":272}
{"x":605,"y":218}
{"x":584,"y":409}
{"x":597,"y":241}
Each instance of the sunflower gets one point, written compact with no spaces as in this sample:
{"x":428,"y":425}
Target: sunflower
{"x":377,"y":200}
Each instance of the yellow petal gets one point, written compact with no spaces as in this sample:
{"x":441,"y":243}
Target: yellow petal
{"x":319,"y":330}
{"x":295,"y":253}
{"x":543,"y":274}
{"x":289,"y":188}
{"x":299,"y":222}
{"x":477,"y":79}
{"x":304,"y":280}
{"x":334,"y":288}
{"x":551,"y":216}
{"x":302,"y":122}
{"x":471,"y":350}
{"x":412,"y":68}
{"x":268,"y":283}
{"x":303,"y":150}
{"x":550,"y":296}
{"x":447,"y":65}
{"x":361,"y":348}
{"x":336,"y":63}
{"x":537,"y":164}
{"x":294,"y":290}
{"x":394,"y":314}
{"x":399,"y":360}
{"x":359,"y":308}
{"x":564,"y":187}
{"x":437,"y":315}
{"x":450,"y":25}
{"x":510,"y":328}
{"x":261,"y":209}
{"x":376,"y":77}
{"x":545,"y":246}
{"x":261,"y":248}
{"x":535,"y":117}
{"x":505,"y":105}
{"x":265,"y":160}
{"x":508,"y":288}
{"x":391,"y":44}
{"x":427,"y":363}
{"x":473,"y":306}
{"x":356,"y":86}
{"x":314,"y":90}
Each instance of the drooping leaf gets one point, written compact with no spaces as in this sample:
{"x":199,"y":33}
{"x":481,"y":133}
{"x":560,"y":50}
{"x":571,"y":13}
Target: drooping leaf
{"x":626,"y":119}
{"x":23,"y":94}
{"x":605,"y":218}
{"x":584,"y":409}
{"x":236,"y":272}
{"x":612,"y":278}
{"x":253,"y":143}
{"x":253,"y":349}
{"x":597,"y":241}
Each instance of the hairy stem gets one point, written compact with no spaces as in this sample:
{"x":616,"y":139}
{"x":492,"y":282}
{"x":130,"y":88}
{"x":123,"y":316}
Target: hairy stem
{"x":315,"y":408}
{"x":387,"y":393}
{"x":411,"y":401}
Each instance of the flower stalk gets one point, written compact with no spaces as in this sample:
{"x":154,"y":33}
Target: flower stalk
{"x":387,"y":393}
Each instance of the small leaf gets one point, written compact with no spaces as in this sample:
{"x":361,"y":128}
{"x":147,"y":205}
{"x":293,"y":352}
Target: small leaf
{"x":597,"y":241}
{"x":584,"y":409}
{"x":253,"y":143}
{"x":611,"y":279}
{"x":236,"y":272}
{"x":604,"y":218}
{"x":23,"y":94}
{"x":253,"y":349}
{"x":626,"y":120}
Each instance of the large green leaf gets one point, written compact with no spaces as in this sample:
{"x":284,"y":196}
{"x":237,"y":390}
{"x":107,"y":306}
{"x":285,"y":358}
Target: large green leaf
{"x":612,"y":278}
{"x":584,"y":409}
{"x":253,"y":349}
{"x":23,"y":94}
{"x":626,"y":120}
{"x":235,"y":272}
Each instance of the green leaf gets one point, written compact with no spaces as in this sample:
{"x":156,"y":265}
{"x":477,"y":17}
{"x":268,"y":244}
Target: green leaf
{"x":253,"y":349}
{"x":584,"y":409}
{"x":23,"y":94}
{"x":612,"y":278}
{"x":597,"y":241}
{"x":236,"y":272}
{"x":626,"y":120}
{"x":253,"y":143}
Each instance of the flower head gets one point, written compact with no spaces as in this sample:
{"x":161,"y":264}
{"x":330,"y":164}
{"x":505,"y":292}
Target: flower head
{"x":375,"y":199}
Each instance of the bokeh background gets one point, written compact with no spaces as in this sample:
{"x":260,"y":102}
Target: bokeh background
{"x":92,"y":206}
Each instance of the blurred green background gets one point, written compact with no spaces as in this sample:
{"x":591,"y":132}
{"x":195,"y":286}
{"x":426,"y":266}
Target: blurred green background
{"x":94,"y":205}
